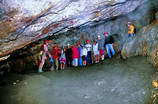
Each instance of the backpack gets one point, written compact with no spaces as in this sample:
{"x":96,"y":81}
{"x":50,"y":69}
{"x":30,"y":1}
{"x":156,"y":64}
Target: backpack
{"x":135,"y":30}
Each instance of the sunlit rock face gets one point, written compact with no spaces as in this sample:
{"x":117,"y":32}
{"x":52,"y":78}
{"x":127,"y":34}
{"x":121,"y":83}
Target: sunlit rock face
{"x":25,"y":21}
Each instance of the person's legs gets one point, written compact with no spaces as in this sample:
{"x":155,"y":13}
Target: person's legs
{"x":75,"y":62}
{"x":42,"y":63}
{"x":112,"y":49}
{"x":97,"y":58}
{"x":93,"y":58}
{"x":108,"y":50}
{"x":69,"y":62}
{"x":102,"y":54}
{"x":89,"y":58}
{"x":56,"y":64}
{"x":80,"y":61}
{"x":84,"y":60}
{"x":52,"y":67}
{"x":61,"y":65}
{"x":129,"y":35}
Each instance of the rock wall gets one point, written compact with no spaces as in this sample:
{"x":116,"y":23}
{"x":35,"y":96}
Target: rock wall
{"x":116,"y":26}
{"x":145,"y":43}
{"x":25,"y":21}
{"x":108,"y":16}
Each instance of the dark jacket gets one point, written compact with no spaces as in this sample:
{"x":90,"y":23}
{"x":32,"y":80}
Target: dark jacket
{"x":68,"y":53}
{"x":109,"y":40}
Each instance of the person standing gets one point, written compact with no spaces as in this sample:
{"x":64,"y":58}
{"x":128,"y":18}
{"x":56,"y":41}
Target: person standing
{"x":84,"y":55}
{"x":56,"y":52}
{"x":100,"y":42}
{"x":131,"y":29}
{"x":75,"y":55}
{"x":95,"y":52}
{"x":45,"y":54}
{"x":89,"y":52}
{"x":68,"y":54}
{"x":62,"y":59}
{"x":80,"y":48}
{"x":109,"y":45}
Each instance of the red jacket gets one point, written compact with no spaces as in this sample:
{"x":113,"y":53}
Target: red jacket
{"x":56,"y":53}
{"x":75,"y":52}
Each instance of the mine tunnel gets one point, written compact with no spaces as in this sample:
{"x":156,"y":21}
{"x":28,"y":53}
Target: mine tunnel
{"x":78,"y":51}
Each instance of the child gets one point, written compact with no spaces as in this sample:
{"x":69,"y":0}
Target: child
{"x":75,"y":55}
{"x":96,"y":52}
{"x":84,"y":55}
{"x":62,"y":59}
{"x":89,"y":52}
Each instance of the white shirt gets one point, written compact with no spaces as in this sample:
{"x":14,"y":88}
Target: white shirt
{"x":95,"y":47}
{"x":84,"y":51}
{"x":88,"y":47}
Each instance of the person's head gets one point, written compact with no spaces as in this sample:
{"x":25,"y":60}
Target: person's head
{"x":87,"y":41}
{"x":79,"y":42}
{"x":95,"y":42}
{"x":76,"y":44}
{"x":46,"y":41}
{"x":106,"y":33}
{"x":129,"y":23}
{"x":68,"y":45}
{"x":55,"y":45}
{"x":99,"y":37}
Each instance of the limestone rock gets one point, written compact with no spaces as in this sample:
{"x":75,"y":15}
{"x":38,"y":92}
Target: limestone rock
{"x":145,"y":43}
{"x":25,"y":21}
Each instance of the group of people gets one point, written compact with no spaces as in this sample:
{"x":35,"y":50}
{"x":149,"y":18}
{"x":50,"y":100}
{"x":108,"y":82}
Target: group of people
{"x":77,"y":54}
{"x":80,"y":54}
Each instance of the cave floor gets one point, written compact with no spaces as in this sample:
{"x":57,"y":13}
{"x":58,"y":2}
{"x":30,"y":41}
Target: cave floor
{"x":113,"y":81}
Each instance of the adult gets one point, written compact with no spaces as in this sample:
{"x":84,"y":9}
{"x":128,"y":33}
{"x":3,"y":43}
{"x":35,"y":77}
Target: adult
{"x":45,"y":54}
{"x":100,"y":42}
{"x":80,"y":49}
{"x":109,"y":45}
{"x":89,"y":52}
{"x":131,"y":29}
